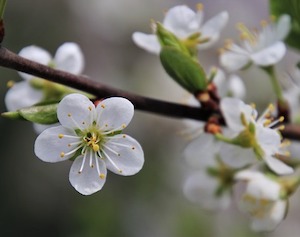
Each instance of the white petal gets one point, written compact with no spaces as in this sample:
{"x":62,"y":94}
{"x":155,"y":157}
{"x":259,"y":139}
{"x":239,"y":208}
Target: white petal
{"x":248,"y":175}
{"x":39,"y":128}
{"x":88,"y":181}
{"x":269,"y":139}
{"x":283,"y":27}
{"x":232,"y":108}
{"x":236,"y":156}
{"x":263,"y":188}
{"x":123,"y":155}
{"x":234,"y":61}
{"x":181,"y":21}
{"x":69,"y":58}
{"x":212,"y":28}
{"x":114,"y":113}
{"x":271,"y":222}
{"x":49,"y":145}
{"x":278,"y":166}
{"x":148,"y":42}
{"x":35,"y":54}
{"x":22,"y":95}
{"x":270,"y":55}
{"x":220,"y":82}
{"x":201,"y":189}
{"x":75,"y":111}
{"x":202,"y":151}
{"x":236,"y":87}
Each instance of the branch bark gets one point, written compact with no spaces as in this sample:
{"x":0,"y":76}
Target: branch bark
{"x":13,"y":61}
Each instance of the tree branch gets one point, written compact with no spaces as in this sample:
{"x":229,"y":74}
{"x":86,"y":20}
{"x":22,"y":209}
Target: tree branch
{"x":13,"y":61}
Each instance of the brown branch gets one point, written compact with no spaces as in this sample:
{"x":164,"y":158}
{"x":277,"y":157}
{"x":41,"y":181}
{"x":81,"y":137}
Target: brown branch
{"x":11,"y":60}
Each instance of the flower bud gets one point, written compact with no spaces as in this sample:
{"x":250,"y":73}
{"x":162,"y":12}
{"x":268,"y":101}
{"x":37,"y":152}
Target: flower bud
{"x":183,"y":69}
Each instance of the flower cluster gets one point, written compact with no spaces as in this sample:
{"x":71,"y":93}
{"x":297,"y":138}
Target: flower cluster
{"x":233,"y":146}
{"x":251,"y":147}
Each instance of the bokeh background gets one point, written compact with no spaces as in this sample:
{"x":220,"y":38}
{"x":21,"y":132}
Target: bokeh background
{"x":36,"y":197}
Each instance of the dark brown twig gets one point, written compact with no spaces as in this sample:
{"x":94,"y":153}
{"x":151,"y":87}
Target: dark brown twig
{"x":11,"y":60}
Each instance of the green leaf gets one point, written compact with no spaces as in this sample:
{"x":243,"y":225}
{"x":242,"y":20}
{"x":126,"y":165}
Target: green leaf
{"x":183,"y":69}
{"x":292,"y":8}
{"x":43,"y":114}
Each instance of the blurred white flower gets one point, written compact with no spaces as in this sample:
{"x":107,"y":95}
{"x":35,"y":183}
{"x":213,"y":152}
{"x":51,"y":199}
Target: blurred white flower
{"x":231,"y":85}
{"x":264,"y":48}
{"x":184,"y":22}
{"x":261,"y":200}
{"x":68,"y":57}
{"x":253,"y":137}
{"x":92,"y":136}
{"x":204,"y":187}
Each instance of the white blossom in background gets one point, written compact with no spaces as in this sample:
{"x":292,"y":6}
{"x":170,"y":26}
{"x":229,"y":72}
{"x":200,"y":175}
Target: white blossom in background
{"x":68,"y":57}
{"x":229,"y":85}
{"x":201,"y":186}
{"x":257,"y":137}
{"x":184,"y":22}
{"x":92,"y":136}
{"x":261,"y":200}
{"x":263,"y":48}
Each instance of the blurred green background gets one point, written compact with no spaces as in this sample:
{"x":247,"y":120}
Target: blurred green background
{"x":36,"y":197}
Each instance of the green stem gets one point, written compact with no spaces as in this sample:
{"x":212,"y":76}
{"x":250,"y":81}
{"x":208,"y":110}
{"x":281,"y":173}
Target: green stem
{"x":222,"y":138}
{"x":270,"y":70}
{"x":2,"y":8}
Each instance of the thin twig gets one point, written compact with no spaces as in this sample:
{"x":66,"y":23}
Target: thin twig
{"x":11,"y":60}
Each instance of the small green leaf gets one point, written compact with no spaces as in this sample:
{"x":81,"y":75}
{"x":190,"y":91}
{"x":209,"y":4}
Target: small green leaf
{"x":292,"y":8}
{"x":183,"y":69}
{"x":43,"y":114}
{"x":15,"y":115}
{"x":167,"y":38}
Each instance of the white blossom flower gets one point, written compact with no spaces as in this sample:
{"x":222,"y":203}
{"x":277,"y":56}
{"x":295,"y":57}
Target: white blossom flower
{"x":184,"y":22}
{"x":92,"y":136}
{"x":203,"y":187}
{"x":264,"y":48}
{"x":253,"y":136}
{"x":261,"y":200}
{"x":231,"y":85}
{"x":68,"y":57}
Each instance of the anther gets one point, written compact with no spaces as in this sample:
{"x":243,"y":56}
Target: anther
{"x":60,"y":135}
{"x":102,"y":176}
{"x":62,"y":154}
{"x":102,"y":106}
{"x":69,"y":115}
{"x":199,"y":7}
{"x":10,"y":84}
{"x":90,"y":108}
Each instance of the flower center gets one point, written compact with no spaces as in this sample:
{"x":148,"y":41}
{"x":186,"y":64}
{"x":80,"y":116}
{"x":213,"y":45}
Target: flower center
{"x":93,"y":140}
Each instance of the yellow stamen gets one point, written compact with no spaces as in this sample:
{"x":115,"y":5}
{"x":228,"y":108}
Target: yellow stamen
{"x":263,"y":23}
{"x":102,"y":176}
{"x":62,"y":154}
{"x":10,"y":84}
{"x":60,"y":135}
{"x":199,"y":7}
{"x":246,"y":34}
